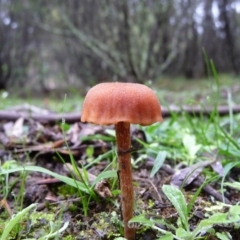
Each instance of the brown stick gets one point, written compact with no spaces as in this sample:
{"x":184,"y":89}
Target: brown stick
{"x":125,"y":176}
{"x":75,"y":117}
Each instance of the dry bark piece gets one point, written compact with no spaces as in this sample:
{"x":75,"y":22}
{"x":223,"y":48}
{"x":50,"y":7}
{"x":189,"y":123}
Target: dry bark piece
{"x":185,"y":176}
{"x":121,"y":104}
{"x":46,"y":147}
{"x":73,"y":117}
{"x":4,"y":203}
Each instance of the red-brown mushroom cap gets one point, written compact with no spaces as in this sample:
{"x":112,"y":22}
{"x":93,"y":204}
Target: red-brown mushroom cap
{"x":110,"y":103}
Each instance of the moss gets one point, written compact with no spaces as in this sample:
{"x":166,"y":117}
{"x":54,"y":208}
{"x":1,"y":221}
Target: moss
{"x":72,"y":208}
{"x":150,"y":203}
{"x":69,"y":237}
{"x":39,"y":223}
{"x":66,"y":190}
{"x":42,"y":217}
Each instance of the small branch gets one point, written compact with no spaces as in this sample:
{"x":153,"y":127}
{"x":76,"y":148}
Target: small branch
{"x":75,"y":117}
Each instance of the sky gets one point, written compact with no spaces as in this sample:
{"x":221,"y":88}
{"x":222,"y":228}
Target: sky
{"x":215,"y":11}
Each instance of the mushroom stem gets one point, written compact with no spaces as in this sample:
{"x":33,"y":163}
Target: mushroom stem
{"x":125,"y":176}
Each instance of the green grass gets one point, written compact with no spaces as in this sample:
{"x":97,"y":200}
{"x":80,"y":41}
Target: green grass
{"x":64,"y":103}
{"x":171,"y":90}
{"x":200,"y":91}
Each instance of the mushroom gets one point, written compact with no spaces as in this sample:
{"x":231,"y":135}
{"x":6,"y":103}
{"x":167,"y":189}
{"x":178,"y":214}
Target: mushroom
{"x":121,"y":104}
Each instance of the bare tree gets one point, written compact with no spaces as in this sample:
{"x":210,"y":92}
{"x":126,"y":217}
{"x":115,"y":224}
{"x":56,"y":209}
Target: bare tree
{"x":226,"y":18}
{"x":16,"y":43}
{"x":127,"y":39}
{"x":89,"y":41}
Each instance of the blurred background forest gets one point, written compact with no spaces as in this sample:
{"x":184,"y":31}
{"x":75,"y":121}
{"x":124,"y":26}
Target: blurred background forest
{"x":55,"y":44}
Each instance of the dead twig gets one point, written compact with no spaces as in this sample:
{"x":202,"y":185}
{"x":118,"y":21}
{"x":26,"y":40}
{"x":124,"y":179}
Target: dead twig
{"x":50,"y":117}
{"x":153,"y":186}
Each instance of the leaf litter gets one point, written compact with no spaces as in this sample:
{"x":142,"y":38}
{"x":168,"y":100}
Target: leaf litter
{"x":27,"y":142}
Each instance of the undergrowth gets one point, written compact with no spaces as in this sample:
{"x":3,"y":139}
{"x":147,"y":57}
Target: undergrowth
{"x":182,"y":139}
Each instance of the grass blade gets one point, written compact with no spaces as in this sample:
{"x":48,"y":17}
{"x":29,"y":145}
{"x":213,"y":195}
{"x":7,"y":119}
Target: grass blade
{"x":16,"y":219}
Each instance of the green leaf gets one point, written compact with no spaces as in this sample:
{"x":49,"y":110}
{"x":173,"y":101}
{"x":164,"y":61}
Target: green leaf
{"x":104,"y":175}
{"x":168,"y":236}
{"x":65,"y":127}
{"x":223,"y":236}
{"x":158,"y":162}
{"x":176,"y":197}
{"x":15,"y":219}
{"x":235,"y":185}
{"x":100,"y":158}
{"x":219,"y":218}
{"x":226,"y":170}
{"x":143,"y":220}
{"x":234,"y":213}
{"x":181,"y":233}
{"x":189,"y":142}
{"x":90,"y":151}
{"x":9,"y":164}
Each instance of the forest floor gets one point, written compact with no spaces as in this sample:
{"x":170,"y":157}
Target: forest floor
{"x":59,"y":180}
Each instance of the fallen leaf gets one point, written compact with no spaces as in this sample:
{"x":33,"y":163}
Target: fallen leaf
{"x":184,"y":177}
